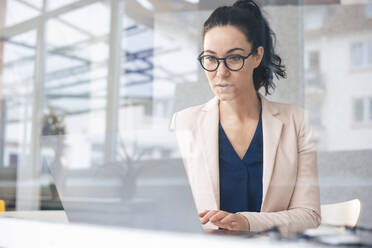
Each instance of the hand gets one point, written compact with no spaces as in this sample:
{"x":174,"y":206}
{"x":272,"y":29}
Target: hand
{"x":226,"y":220}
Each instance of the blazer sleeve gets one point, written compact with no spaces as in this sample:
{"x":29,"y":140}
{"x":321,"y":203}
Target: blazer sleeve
{"x":304,"y":208}
{"x":172,"y":126}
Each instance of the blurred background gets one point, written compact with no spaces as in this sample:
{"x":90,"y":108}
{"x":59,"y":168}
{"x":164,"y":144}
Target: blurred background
{"x":110,"y":74}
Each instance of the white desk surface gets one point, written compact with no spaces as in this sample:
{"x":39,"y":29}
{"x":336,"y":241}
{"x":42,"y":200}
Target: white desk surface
{"x":47,"y":215}
{"x":50,"y":229}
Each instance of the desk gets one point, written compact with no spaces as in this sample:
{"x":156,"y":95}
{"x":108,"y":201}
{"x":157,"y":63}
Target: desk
{"x":48,"y":215}
{"x":23,"y":232}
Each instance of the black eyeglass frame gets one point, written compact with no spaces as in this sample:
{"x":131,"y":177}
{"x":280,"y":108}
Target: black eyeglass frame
{"x":200,"y":58}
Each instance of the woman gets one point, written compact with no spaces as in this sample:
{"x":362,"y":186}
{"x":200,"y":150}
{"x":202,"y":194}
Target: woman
{"x":251,"y":163}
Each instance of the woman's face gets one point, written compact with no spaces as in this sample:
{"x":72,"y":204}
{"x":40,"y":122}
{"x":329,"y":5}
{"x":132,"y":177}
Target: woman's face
{"x":227,"y":85}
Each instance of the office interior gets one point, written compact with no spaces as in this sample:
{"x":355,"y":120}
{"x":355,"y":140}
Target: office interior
{"x":104,"y":77}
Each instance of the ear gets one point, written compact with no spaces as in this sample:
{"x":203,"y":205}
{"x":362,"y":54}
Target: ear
{"x":258,"y":56}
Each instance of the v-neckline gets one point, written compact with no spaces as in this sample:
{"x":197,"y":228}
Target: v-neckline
{"x":250,"y":144}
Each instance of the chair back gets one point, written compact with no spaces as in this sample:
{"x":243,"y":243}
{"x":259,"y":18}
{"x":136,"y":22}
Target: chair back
{"x":341,"y":214}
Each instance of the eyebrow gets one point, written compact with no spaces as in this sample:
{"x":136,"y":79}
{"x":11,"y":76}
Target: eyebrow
{"x":230,"y":51}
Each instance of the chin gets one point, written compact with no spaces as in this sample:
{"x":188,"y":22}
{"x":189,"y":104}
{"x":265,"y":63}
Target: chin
{"x":225,"y":98}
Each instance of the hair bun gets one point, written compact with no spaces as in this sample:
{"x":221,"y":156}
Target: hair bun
{"x":247,"y":4}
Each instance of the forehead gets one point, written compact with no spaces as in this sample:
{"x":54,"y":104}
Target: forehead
{"x":220,"y":39}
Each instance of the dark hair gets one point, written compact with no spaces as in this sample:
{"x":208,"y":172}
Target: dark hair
{"x":247,"y":17}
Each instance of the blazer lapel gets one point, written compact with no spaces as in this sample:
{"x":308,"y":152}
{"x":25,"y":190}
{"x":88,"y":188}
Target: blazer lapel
{"x":271,"y":128}
{"x":208,"y":129}
{"x":208,"y":124}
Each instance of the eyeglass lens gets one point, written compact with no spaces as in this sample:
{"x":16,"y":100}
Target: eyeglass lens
{"x":233,"y":62}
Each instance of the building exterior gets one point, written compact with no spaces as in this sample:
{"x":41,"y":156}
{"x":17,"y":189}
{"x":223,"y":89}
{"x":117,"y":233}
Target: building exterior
{"x":338,"y":73}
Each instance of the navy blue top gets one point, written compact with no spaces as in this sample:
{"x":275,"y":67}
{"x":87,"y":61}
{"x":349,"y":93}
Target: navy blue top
{"x":241,"y":179}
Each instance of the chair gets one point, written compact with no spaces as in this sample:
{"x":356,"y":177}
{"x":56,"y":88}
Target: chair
{"x":341,"y":214}
{"x":2,"y":206}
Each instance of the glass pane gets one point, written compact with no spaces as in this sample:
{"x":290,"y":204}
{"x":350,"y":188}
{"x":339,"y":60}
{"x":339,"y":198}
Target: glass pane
{"x":137,"y":82}
{"x":77,"y":69}
{"x":368,"y":10}
{"x":94,"y":25}
{"x":335,"y":83}
{"x":76,"y":74}
{"x":153,"y":68}
{"x":314,"y":18}
{"x":13,"y":10}
{"x":160,"y":75}
{"x":61,"y":34}
{"x":55,"y":4}
{"x":36,"y":4}
{"x":358,"y":110}
{"x":337,"y":106}
{"x":314,"y":61}
{"x":26,"y":39}
{"x":357,"y":54}
{"x":369,"y":54}
{"x":17,"y":66}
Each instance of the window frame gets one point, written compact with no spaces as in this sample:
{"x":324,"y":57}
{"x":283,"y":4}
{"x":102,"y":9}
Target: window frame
{"x":366,"y":110}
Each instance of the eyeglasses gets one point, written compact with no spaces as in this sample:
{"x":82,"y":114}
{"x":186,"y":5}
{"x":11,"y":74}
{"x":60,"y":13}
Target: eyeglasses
{"x":233,"y":62}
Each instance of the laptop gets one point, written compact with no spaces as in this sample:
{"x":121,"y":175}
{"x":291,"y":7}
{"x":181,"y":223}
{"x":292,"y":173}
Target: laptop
{"x":144,"y":187}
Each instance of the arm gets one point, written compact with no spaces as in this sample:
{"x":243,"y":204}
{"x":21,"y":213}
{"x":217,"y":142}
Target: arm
{"x":304,"y":208}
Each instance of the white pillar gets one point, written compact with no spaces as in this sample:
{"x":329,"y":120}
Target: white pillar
{"x":113,"y":79}
{"x":28,"y":173}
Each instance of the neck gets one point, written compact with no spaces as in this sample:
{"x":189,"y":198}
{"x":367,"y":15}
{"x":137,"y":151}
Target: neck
{"x":241,"y":109}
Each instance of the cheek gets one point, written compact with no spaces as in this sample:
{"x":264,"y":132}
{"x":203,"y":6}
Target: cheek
{"x":246,"y":73}
{"x":210,"y":75}
{"x":243,"y":80}
{"x":242,"y":75}
{"x":248,"y":68}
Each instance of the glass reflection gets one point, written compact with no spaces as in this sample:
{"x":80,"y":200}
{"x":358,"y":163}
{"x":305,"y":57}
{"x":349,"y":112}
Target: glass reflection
{"x":141,"y":188}
{"x":13,"y":8}
{"x":76,"y":70}
{"x":338,"y":92}
{"x":55,"y":4}
{"x":332,"y":83}
{"x":16,"y":83}
{"x":335,"y":75}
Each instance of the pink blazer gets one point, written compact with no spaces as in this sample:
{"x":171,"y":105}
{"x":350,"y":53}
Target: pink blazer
{"x":290,"y":179}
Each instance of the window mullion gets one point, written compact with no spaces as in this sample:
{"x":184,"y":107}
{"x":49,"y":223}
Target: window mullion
{"x":28,"y":174}
{"x":113,"y":80}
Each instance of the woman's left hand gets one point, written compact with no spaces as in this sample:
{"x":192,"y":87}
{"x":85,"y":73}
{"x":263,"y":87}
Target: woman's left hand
{"x":225,"y":220}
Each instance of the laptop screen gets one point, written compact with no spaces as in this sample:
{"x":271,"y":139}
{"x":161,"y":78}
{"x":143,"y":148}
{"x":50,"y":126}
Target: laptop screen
{"x":141,"y":183}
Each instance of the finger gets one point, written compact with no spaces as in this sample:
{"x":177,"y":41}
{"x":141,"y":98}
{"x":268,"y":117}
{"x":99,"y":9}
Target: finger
{"x":201,"y":214}
{"x":228,"y":219}
{"x":231,"y":222}
{"x":218,"y":216}
{"x":235,"y":222}
{"x":220,"y":225}
{"x":216,"y":219}
{"x":206,"y":217}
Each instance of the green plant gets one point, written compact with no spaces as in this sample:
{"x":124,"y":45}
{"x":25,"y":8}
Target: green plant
{"x":52,"y":123}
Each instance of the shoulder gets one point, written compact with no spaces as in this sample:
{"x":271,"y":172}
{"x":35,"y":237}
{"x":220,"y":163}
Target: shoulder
{"x":290,"y":111}
{"x":186,"y":118}
{"x":190,"y":112}
{"x":289,"y":114}
{"x":286,"y":111}
{"x":296,"y":121}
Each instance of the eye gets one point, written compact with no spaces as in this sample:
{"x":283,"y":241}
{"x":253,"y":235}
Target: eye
{"x":234,"y":58}
{"x":209,"y":58}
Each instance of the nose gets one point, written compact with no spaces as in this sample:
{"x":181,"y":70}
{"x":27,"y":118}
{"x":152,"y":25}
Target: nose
{"x":222,"y":70}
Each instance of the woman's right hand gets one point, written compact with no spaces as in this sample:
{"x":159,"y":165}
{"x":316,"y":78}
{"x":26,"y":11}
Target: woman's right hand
{"x":225,"y":220}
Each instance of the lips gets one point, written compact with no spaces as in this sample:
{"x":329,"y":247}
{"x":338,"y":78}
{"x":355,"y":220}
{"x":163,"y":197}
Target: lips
{"x":224,"y":88}
{"x":223,"y":85}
